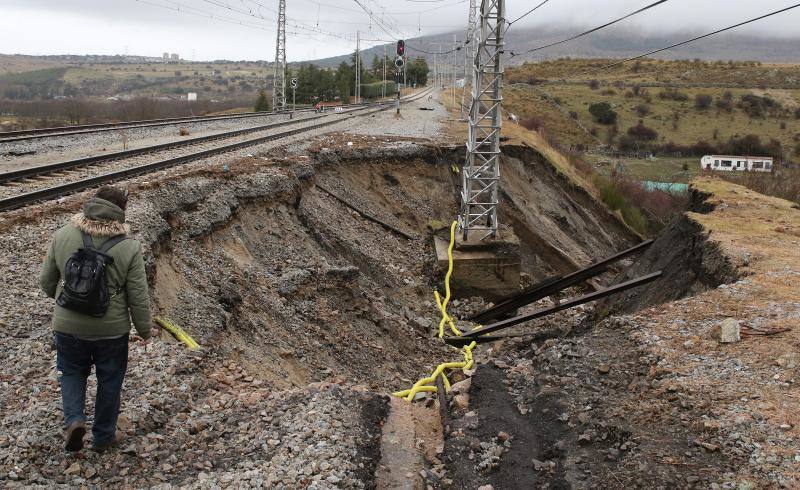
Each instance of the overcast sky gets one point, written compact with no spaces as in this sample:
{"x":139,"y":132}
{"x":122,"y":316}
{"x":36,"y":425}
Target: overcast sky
{"x":245,"y":29}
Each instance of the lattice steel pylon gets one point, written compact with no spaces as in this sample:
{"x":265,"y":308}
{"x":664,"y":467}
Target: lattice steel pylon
{"x":481,"y":173}
{"x":469,"y":53}
{"x":279,"y":81}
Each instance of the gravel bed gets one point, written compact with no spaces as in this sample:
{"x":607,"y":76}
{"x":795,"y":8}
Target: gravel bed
{"x":413,"y":121}
{"x":90,"y":143}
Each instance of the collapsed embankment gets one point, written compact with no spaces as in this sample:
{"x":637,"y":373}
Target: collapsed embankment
{"x":654,"y":399}
{"x":307,"y":280}
{"x":690,"y":261}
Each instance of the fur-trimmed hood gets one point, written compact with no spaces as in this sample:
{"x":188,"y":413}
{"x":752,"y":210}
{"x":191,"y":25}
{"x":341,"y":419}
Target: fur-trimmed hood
{"x":101,"y":218}
{"x":102,"y":228}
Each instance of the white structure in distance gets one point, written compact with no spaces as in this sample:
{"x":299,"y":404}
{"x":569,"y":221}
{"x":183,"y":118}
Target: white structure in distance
{"x":191,"y":96}
{"x":729,"y":163}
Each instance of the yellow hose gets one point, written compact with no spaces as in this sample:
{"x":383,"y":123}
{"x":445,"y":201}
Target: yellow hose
{"x":177,"y":332}
{"x":429,"y":384}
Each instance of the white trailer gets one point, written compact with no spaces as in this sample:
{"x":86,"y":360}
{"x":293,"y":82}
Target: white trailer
{"x":730,"y":163}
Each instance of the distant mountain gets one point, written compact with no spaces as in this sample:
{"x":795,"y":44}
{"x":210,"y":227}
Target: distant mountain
{"x":611,"y":43}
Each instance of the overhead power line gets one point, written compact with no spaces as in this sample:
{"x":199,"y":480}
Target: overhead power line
{"x":595,"y":29}
{"x":697,"y":38}
{"x":529,"y":12}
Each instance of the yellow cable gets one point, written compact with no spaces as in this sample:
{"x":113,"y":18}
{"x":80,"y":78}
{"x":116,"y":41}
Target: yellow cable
{"x":177,"y":332}
{"x":428,"y":384}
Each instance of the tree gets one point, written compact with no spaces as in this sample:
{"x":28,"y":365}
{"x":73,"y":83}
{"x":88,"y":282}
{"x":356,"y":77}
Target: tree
{"x":603,"y":113}
{"x":262,"y":103}
{"x":417,"y":71}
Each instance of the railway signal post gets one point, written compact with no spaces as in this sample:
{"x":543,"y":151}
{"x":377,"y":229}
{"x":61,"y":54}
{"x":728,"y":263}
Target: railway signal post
{"x":293,"y":84}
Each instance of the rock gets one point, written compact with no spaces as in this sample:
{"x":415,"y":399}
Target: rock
{"x":708,"y":446}
{"x":585,"y":438}
{"x":727,"y":331}
{"x":603,"y":368}
{"x":485,"y":487}
{"x":124,"y":423}
{"x":461,"y":402}
{"x":461,"y":387}
{"x":90,"y":472}
{"x":74,"y":469}
{"x":503,"y":436}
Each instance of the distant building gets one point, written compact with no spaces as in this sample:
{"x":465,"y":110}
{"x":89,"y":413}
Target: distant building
{"x":175,"y":57}
{"x":728,"y":163}
{"x":191,"y":96}
{"x":166,"y":56}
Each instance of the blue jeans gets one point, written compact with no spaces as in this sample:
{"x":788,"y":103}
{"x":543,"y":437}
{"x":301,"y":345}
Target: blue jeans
{"x":74,"y":360}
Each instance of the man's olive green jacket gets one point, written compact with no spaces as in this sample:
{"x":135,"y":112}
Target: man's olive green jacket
{"x":126,"y":276}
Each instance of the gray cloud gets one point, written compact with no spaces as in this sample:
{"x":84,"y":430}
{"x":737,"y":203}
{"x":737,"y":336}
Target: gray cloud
{"x":142,"y":27}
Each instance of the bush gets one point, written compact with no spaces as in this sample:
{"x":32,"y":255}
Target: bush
{"x":797,"y":113}
{"x":602,"y":113}
{"x":642,"y":133}
{"x":594,"y":84}
{"x":642,"y":109}
{"x":724,"y":105}
{"x":702,"y":101}
{"x":573,"y":114}
{"x":756,"y":106}
{"x":608,"y":91}
{"x":673,"y":94}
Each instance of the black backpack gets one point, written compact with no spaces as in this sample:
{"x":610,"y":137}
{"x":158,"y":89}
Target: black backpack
{"x":85,"y":287}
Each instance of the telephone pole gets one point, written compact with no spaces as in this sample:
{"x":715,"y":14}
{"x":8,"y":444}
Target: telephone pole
{"x":357,"y":91}
{"x":481,"y":175}
{"x":279,"y":81}
{"x":383,"y":87}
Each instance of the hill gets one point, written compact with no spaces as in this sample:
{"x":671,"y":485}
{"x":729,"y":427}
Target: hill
{"x":611,"y":43}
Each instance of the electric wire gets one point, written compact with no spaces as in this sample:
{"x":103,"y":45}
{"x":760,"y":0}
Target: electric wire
{"x":590,"y":31}
{"x":675,"y":45}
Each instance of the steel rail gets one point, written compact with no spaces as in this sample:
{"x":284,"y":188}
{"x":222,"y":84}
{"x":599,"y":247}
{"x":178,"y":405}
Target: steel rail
{"x":22,"y":200}
{"x":553,"y":285}
{"x":503,"y":324}
{"x":30,"y":134}
{"x":29,"y":172}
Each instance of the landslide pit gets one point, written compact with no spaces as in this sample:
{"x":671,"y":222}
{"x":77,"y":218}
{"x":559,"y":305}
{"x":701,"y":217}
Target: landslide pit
{"x":300,"y":276}
{"x":290,"y":270}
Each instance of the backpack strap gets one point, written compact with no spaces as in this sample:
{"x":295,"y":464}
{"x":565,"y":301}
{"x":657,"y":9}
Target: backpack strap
{"x":87,"y":240}
{"x":111,"y":242}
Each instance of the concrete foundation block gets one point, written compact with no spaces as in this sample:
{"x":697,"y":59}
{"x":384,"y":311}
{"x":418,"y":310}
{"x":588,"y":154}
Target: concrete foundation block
{"x":486,"y":268}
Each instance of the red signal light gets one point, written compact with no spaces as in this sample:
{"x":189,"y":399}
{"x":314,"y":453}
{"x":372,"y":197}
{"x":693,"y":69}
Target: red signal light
{"x":401,"y":48}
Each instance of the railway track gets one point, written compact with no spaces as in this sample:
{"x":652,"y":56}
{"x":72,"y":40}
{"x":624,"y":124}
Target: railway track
{"x":55,"y":170}
{"x":32,"y":134}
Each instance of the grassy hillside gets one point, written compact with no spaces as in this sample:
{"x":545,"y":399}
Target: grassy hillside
{"x":665,"y":106}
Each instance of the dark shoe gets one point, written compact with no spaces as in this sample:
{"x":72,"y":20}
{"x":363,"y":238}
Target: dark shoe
{"x":74,"y":436}
{"x":106,"y":445}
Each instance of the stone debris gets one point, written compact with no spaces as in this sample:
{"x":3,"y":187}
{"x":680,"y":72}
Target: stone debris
{"x":728,"y":331}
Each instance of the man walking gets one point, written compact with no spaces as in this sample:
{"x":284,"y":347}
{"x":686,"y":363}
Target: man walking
{"x":97,"y":276}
